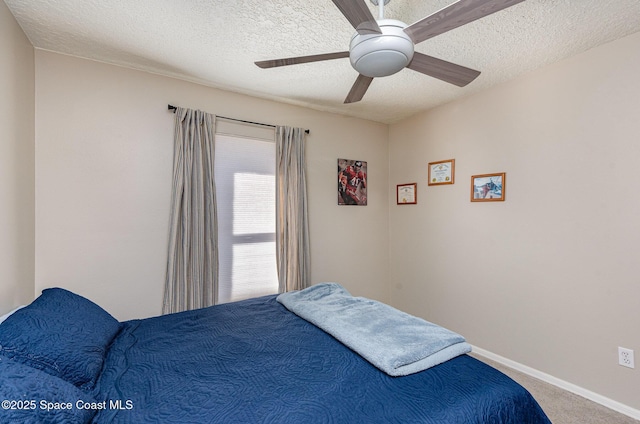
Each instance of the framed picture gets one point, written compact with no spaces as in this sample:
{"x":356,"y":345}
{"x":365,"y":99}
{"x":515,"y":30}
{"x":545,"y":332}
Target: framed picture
{"x":407,"y":194}
{"x":488,"y":187}
{"x":352,"y":182}
{"x":442,"y":172}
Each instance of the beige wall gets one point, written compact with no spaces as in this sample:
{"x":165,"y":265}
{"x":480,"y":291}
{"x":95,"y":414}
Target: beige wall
{"x":549,"y":278}
{"x":17,"y":168}
{"x":104,"y":155}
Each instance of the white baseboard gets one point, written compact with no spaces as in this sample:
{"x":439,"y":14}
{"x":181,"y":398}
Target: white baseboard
{"x":580,"y":391}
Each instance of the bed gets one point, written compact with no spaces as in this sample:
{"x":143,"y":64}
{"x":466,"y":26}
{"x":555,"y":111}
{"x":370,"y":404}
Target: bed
{"x":63,"y":359}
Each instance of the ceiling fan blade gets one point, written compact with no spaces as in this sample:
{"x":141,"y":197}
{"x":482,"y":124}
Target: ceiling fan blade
{"x":358,"y":89}
{"x":359,"y":15}
{"x":301,"y":59}
{"x":442,"y":70}
{"x":457,"y":14}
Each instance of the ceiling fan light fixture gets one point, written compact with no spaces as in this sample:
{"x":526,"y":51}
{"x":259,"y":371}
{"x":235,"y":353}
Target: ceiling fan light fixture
{"x":380,"y":55}
{"x":383,"y":47}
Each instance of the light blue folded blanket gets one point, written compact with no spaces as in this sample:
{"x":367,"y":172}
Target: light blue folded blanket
{"x":395,"y":342}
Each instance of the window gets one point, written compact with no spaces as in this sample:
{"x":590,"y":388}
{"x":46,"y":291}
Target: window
{"x":246,"y":200}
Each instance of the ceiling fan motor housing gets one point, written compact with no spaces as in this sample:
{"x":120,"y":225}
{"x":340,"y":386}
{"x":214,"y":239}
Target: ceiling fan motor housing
{"x":380,"y":55}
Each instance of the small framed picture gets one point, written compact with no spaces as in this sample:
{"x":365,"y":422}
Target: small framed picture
{"x":352,"y":182}
{"x":407,"y":194}
{"x":488,"y":187}
{"x":442,"y":172}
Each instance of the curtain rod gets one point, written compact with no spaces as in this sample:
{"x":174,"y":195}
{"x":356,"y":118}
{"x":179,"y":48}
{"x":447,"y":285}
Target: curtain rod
{"x":173,"y":109}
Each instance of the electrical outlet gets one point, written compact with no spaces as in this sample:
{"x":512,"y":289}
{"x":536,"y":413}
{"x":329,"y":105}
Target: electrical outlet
{"x":625,"y":357}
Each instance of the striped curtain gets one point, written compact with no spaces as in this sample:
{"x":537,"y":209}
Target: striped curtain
{"x":292,"y":223}
{"x":192,"y":263}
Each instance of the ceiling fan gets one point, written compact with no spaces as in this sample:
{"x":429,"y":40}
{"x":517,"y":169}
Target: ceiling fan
{"x":383,"y":47}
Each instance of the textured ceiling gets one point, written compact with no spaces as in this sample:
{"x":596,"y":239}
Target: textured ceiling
{"x":215,"y":42}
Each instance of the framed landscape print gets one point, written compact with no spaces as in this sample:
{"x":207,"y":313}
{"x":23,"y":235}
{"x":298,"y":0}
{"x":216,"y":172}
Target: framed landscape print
{"x":442,"y":172}
{"x":488,"y":187}
{"x":352,"y":182}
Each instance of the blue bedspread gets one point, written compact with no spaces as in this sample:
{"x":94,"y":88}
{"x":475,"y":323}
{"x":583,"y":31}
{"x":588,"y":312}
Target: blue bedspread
{"x":255,"y":362}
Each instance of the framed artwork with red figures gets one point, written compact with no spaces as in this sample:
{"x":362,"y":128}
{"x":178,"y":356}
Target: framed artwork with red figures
{"x":352,"y":182}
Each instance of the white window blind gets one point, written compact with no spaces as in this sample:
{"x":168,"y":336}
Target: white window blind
{"x":246,"y":199}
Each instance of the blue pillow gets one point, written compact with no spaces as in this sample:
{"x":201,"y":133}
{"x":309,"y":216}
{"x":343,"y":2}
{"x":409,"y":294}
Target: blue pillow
{"x":29,"y":396}
{"x":62,"y":334}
